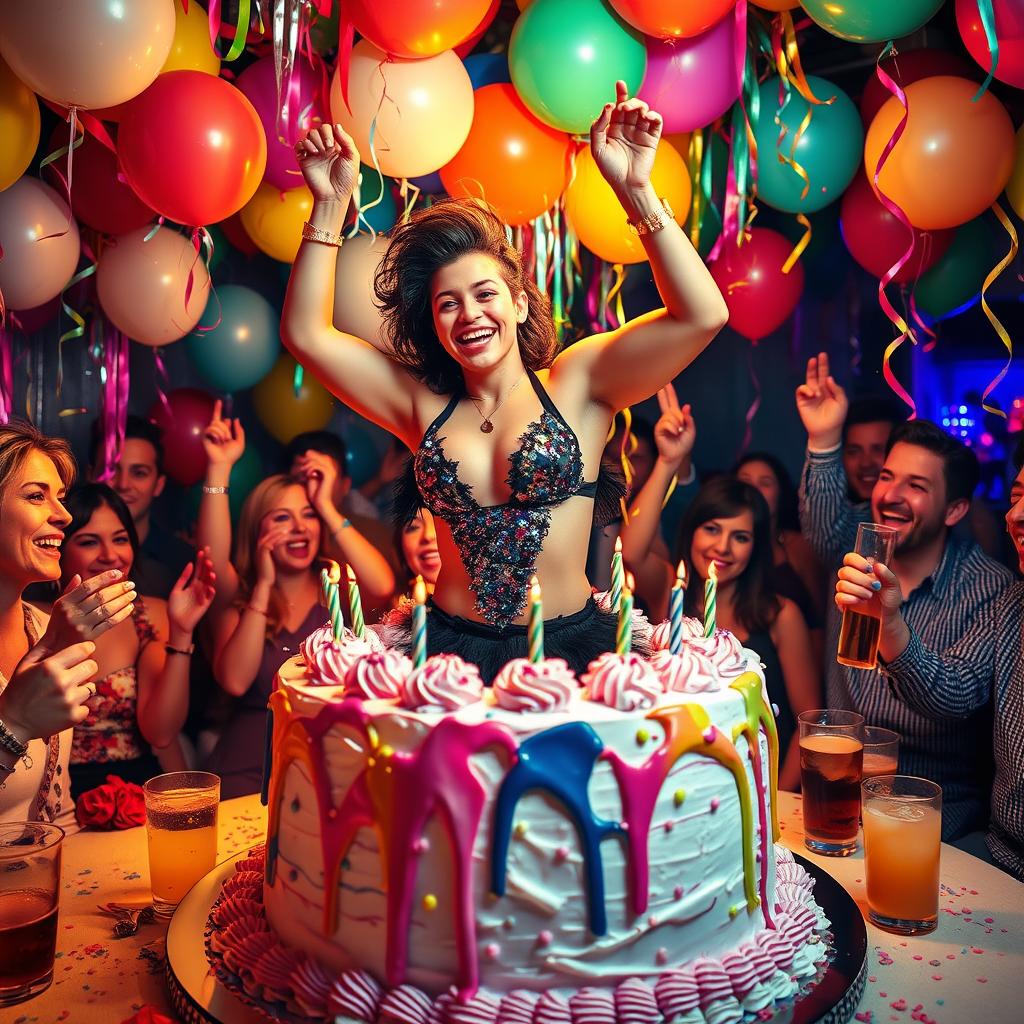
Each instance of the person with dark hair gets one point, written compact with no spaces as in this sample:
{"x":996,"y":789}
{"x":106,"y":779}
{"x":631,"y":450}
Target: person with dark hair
{"x":507,"y":431}
{"x":924,"y":489}
{"x":46,"y":662}
{"x":729,"y":523}
{"x":139,"y":479}
{"x":984,"y":667}
{"x":416,"y":540}
{"x":141,"y":691}
{"x":869,"y":421}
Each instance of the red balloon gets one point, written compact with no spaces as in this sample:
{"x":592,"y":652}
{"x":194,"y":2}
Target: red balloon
{"x":759,"y":295}
{"x":876,"y":239}
{"x":666,"y":19}
{"x":99,"y":200}
{"x":1009,"y":18}
{"x":417,"y":28}
{"x":182,"y":422}
{"x":909,"y":66}
{"x":192,"y":147}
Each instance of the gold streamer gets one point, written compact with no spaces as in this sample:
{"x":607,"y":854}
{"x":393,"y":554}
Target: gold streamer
{"x":798,"y":249}
{"x":997,"y":326}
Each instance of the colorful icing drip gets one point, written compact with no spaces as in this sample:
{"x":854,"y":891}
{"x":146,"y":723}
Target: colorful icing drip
{"x":396,"y":793}
{"x":559,"y":761}
{"x":686,"y":730}
{"x":749,"y":688}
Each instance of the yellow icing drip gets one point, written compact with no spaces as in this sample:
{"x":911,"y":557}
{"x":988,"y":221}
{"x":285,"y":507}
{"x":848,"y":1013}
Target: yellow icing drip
{"x":748,"y":686}
{"x":685,"y":726}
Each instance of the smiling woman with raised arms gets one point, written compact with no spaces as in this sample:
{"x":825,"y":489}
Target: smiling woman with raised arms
{"x":507,"y":431}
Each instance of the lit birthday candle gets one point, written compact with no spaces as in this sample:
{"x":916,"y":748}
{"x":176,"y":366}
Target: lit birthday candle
{"x":330,"y":578}
{"x":710,"y":599}
{"x":419,"y":623}
{"x":624,"y":634}
{"x":355,"y":603}
{"x":617,"y":575}
{"x":535,"y":629}
{"x":675,"y":612}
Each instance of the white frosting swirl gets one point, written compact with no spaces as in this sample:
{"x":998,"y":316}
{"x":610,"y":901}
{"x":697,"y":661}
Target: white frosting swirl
{"x":378,"y":675}
{"x":524,"y":686}
{"x":662,"y":633}
{"x":444,"y":683}
{"x":330,"y":663}
{"x":688,"y":672}
{"x":724,"y":651}
{"x":625,"y":682}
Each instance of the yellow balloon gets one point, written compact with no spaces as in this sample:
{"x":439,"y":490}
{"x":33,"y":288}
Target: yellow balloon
{"x":597,"y":217}
{"x":191,"y":49}
{"x":1015,"y":186}
{"x":19,"y":126}
{"x":281,"y":411}
{"x":273,"y":219}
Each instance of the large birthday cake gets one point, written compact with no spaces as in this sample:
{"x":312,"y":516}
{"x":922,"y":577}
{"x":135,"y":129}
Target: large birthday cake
{"x":549,"y":850}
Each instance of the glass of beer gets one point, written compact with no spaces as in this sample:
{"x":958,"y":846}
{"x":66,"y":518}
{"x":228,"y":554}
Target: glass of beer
{"x":902,"y":838}
{"x":831,"y":759}
{"x":181,"y":825}
{"x":881,"y":751}
{"x":29,"y":896}
{"x":858,"y":635}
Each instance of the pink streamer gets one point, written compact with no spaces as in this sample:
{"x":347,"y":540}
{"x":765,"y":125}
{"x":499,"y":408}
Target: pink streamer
{"x":6,"y":375}
{"x":161,"y":373}
{"x":114,"y":397}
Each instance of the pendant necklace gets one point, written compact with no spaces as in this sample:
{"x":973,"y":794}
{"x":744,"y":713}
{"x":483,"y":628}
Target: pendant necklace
{"x":486,"y":426}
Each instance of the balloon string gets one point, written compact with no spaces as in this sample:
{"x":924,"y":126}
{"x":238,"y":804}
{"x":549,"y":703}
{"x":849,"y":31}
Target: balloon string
{"x":241,"y":29}
{"x":883,"y":299}
{"x":787,"y":58}
{"x":75,"y":332}
{"x":408,"y":193}
{"x":75,"y":140}
{"x":988,"y":22}
{"x":997,"y":325}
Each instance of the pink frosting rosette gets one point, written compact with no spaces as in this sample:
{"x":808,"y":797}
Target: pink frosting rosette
{"x":522,"y":685}
{"x":444,"y":683}
{"x":378,"y":675}
{"x":688,"y":672}
{"x":661,"y":634}
{"x":330,"y":663}
{"x":625,"y":682}
{"x":642,"y":628}
{"x":724,"y":651}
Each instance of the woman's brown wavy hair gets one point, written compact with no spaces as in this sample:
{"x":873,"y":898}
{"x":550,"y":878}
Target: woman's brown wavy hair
{"x":431,"y":239}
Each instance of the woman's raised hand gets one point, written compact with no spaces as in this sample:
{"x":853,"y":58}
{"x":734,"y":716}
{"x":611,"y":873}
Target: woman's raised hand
{"x":271,"y":536}
{"x":223,"y":439}
{"x":329,"y":162}
{"x":675,"y":432}
{"x":86,"y":610}
{"x":193,"y":593}
{"x":624,"y":140}
{"x":47,"y":692}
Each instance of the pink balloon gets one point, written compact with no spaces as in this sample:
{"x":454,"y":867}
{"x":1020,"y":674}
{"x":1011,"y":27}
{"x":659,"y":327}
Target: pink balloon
{"x":142,"y":285}
{"x":307,"y":107}
{"x":40,"y":243}
{"x":690,"y":82}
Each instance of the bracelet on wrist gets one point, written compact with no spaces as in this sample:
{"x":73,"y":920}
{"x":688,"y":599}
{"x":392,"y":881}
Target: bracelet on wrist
{"x":345,"y":524}
{"x":187,"y":652}
{"x":653,"y":221}
{"x":258,"y":611}
{"x":311,"y":233}
{"x":215,"y":490}
{"x":10,"y":742}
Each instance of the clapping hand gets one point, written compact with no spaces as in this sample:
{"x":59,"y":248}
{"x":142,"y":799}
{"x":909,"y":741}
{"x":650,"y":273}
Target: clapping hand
{"x":822,"y":404}
{"x":329,"y":162}
{"x":623,"y":141}
{"x":193,"y":593}
{"x":87,"y":610}
{"x":272,"y":535}
{"x":223,"y":439}
{"x":675,"y":432}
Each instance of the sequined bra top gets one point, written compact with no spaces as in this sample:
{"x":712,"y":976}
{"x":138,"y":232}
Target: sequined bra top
{"x":499,"y":544}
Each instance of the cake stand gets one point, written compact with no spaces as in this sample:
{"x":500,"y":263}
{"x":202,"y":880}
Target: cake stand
{"x":199,"y":996}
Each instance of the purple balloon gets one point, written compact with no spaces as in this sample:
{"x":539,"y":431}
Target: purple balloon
{"x":306,"y":107}
{"x":690,"y":82}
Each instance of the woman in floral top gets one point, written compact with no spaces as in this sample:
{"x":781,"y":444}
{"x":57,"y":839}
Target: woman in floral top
{"x":141,"y":696}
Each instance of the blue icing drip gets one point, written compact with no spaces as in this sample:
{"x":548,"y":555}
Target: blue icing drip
{"x":560,"y":761}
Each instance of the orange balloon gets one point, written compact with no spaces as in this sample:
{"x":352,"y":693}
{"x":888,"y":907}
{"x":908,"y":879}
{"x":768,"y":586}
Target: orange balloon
{"x":273,"y":219}
{"x":776,"y":5}
{"x":513,"y":161}
{"x":666,"y":19}
{"x":954,"y":157}
{"x":286,"y":414}
{"x":597,"y":218}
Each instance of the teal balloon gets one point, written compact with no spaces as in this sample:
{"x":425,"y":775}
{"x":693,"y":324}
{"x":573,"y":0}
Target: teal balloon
{"x":362,"y":454}
{"x":565,"y":56}
{"x":830,"y":150}
{"x":955,"y":281}
{"x":246,"y":473}
{"x":242,"y":348}
{"x":382,"y":215}
{"x":871,"y":21}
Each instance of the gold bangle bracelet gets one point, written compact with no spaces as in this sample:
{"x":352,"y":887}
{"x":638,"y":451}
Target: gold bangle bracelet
{"x":314,"y":234}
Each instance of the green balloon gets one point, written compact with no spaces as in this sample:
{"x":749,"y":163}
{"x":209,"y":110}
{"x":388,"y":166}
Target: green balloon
{"x":565,"y":57}
{"x":220,"y":246}
{"x":246,"y":473}
{"x":871,"y":21}
{"x":830,"y":150}
{"x":957,"y":278}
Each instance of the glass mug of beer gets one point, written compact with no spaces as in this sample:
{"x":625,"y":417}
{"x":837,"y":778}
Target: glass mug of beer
{"x":30,"y":853}
{"x":858,"y":635}
{"x":831,"y":762}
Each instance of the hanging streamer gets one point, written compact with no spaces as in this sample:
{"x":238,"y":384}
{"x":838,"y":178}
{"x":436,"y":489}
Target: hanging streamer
{"x":997,"y":326}
{"x":6,"y":375}
{"x":161,"y":374}
{"x":883,"y":299}
{"x":297,"y":379}
{"x":755,"y":404}
{"x":988,"y":22}
{"x":77,"y":319}
{"x":615,"y":315}
{"x":241,"y":29}
{"x":113,"y":397}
